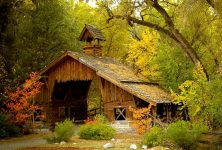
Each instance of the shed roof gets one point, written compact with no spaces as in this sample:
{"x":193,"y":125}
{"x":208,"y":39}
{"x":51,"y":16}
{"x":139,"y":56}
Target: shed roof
{"x":118,"y":74}
{"x":94,"y":32}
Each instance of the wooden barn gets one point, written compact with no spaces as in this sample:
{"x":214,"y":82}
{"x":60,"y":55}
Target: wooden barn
{"x":68,"y":79}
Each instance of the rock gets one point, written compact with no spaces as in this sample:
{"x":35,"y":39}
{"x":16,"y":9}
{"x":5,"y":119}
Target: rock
{"x":56,"y":143}
{"x":74,"y":143}
{"x":144,"y":147}
{"x":113,"y":140}
{"x":62,"y":143}
{"x":108,"y":145}
{"x":133,"y":146}
{"x":119,"y":141}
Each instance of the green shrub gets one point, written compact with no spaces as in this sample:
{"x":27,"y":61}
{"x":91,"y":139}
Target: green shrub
{"x":154,"y":137}
{"x":185,"y":134}
{"x":96,"y":131}
{"x":63,"y":132}
{"x":101,"y":119}
{"x":6,"y":129}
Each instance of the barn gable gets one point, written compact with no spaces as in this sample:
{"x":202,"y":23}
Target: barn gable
{"x":68,"y":79}
{"x":110,"y":70}
{"x":119,"y":86}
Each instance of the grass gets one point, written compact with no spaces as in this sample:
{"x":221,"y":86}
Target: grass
{"x":21,"y":138}
{"x":123,"y":141}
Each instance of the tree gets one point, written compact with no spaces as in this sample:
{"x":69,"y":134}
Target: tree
{"x":142,"y":53}
{"x":42,"y":29}
{"x":141,"y":119}
{"x":188,"y":48}
{"x":162,"y":16}
{"x":114,"y":31}
{"x":203,"y":104}
{"x":20,"y":105}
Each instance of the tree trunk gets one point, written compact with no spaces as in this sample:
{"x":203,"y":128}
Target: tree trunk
{"x":171,"y":32}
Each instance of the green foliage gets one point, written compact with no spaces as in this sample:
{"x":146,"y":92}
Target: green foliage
{"x":203,"y":100}
{"x":174,"y":66}
{"x":154,"y":137}
{"x":41,"y":29}
{"x":200,"y":24}
{"x":116,"y":31}
{"x":7,"y":130}
{"x":63,"y":132}
{"x":185,"y":134}
{"x":182,"y":133}
{"x":101,"y":119}
{"x":96,"y":131}
{"x":94,"y":96}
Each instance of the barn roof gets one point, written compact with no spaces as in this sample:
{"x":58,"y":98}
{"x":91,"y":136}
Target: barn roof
{"x":118,"y":74}
{"x":94,"y":32}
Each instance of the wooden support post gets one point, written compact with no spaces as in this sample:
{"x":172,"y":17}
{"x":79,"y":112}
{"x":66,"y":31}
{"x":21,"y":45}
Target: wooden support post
{"x":154,"y":111}
{"x":167,"y":112}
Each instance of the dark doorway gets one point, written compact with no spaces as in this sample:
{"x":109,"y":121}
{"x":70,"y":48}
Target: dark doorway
{"x":69,"y":98}
{"x":140,"y":103}
{"x":120,"y":113}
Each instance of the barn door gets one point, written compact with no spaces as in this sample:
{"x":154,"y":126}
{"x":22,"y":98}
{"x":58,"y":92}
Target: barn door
{"x":120,"y":113}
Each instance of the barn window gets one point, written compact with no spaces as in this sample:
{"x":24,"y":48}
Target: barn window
{"x":120,"y":113}
{"x":37,"y":115}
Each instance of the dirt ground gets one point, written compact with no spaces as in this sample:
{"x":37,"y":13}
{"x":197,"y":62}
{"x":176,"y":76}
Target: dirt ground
{"x":22,"y":142}
{"x":55,"y":148}
{"x":37,"y":142}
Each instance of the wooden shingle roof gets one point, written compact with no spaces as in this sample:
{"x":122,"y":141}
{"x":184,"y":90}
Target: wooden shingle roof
{"x":118,"y":74}
{"x":94,"y":32}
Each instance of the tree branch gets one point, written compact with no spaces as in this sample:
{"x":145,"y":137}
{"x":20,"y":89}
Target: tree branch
{"x":171,"y":32}
{"x":140,"y":22}
{"x":185,"y":45}
{"x":210,"y":3}
{"x":153,"y":26}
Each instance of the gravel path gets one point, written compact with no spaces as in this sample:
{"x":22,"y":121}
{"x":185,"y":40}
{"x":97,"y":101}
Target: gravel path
{"x":22,"y":144}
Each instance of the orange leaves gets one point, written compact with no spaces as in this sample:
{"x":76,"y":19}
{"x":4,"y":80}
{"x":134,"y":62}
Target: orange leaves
{"x":90,"y":121}
{"x":141,"y":120}
{"x":21,"y":105}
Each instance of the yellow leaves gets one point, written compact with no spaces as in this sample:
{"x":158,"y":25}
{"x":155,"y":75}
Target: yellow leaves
{"x":199,"y":73}
{"x":190,"y":96}
{"x":197,"y":109}
{"x":188,"y":91}
{"x":141,"y":53}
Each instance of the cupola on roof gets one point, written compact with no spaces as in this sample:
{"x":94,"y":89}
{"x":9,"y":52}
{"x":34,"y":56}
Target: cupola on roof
{"x":91,"y":32}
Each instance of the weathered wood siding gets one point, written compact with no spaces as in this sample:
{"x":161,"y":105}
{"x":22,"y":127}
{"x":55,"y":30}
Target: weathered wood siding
{"x":113,"y":97}
{"x":67,"y":70}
